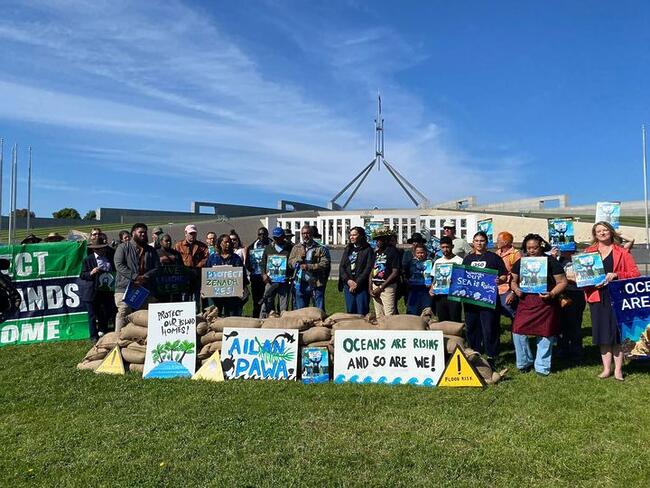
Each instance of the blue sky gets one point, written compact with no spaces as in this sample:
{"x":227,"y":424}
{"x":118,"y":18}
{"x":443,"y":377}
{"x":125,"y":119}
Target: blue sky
{"x":155,"y":104}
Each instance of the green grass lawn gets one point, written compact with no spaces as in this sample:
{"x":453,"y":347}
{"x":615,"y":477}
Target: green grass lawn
{"x":63,"y":427}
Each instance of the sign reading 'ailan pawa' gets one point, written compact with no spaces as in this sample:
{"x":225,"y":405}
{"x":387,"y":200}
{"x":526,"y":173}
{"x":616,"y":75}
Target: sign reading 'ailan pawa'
{"x":46,"y":276}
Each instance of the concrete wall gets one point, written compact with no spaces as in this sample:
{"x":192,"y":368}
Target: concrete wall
{"x":42,"y":222}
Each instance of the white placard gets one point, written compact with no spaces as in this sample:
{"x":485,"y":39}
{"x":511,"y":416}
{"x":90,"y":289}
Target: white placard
{"x":260,"y":354}
{"x":398,"y":357}
{"x":171,"y":340}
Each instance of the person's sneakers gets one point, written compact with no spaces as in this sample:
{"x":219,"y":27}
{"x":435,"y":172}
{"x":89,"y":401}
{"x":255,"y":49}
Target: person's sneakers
{"x":527,"y":369}
{"x":492,"y":363}
{"x":538,"y":373}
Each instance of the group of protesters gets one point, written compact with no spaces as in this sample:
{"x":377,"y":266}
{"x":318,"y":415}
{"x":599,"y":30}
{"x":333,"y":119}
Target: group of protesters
{"x":284,"y":275}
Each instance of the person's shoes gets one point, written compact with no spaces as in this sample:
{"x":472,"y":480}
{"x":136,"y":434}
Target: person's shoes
{"x":604,"y":375}
{"x":526,"y":369}
{"x":492,"y":363}
{"x":538,"y":373}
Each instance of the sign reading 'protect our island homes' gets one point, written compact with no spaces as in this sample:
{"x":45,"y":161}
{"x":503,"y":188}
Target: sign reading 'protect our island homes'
{"x":45,"y":276}
{"x":396,"y":357}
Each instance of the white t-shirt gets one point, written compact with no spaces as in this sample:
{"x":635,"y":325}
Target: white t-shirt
{"x":456,"y":259}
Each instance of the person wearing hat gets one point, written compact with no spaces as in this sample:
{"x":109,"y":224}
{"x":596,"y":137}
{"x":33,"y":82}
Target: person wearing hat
{"x":253,"y":262}
{"x":31,"y":239}
{"x":312,"y":266}
{"x":97,"y":287}
{"x":195,"y":255}
{"x":54,"y":237}
{"x":461,"y":247}
{"x":157,"y":234}
{"x":385,"y":274}
{"x":276,"y":273}
{"x":408,"y":257}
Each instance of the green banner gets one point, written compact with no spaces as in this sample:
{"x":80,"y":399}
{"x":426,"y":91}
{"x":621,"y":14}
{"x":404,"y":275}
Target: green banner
{"x":46,"y":276}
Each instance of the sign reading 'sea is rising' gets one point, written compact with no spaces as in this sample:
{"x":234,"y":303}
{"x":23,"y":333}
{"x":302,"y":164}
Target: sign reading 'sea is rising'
{"x":222,"y":281}
{"x":631,"y":303}
{"x":477,"y":286}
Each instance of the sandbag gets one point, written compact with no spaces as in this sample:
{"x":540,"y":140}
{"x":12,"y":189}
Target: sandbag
{"x":356,"y":324}
{"x":447,"y":327}
{"x":108,"y":341}
{"x":202,"y":328}
{"x":140,"y":317}
{"x":402,"y":322}
{"x":452,"y":341}
{"x":124,"y":342}
{"x":90,"y":365}
{"x":136,"y":368}
{"x":209,"y":349}
{"x":319,"y":344}
{"x":132,"y":356}
{"x":307,"y":313}
{"x":211,"y":337}
{"x":286,"y":323}
{"x":427,"y":313}
{"x":337,"y":317}
{"x":235,"y":322}
{"x":134,"y":346}
{"x":96,"y":353}
{"x":316,"y":334}
{"x":133,"y":332}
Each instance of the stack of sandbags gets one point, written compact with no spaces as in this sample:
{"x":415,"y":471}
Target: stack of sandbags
{"x":98,"y":352}
{"x":452,"y":332}
{"x":210,"y":334}
{"x":339,"y":317}
{"x":483,"y":367}
{"x":402,"y":322}
{"x":310,"y":315}
{"x":318,"y":336}
{"x":133,"y":340}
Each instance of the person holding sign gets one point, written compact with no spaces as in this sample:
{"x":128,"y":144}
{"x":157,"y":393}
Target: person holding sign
{"x":255,"y":252}
{"x":482,"y":324}
{"x":538,"y":314}
{"x":275,"y":273}
{"x":312,"y":265}
{"x":354,"y":272}
{"x":97,"y":287}
{"x":619,"y":265}
{"x":385,"y":273}
{"x":418,"y":279}
{"x":225,"y":256}
{"x":444,"y":308}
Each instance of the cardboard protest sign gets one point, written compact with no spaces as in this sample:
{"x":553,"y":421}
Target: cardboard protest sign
{"x":561,"y":234}
{"x":260,"y":353}
{"x":211,"y":369}
{"x":172,"y":279}
{"x":276,"y":268}
{"x":255,"y":259}
{"x":171,"y":340}
{"x":533,"y":273}
{"x":441,"y":277}
{"x":588,"y":268}
{"x":477,"y":286}
{"x":459,"y":372}
{"x":631,"y":303}
{"x":315,"y":365}
{"x":396,"y":357}
{"x":222,"y":281}
{"x":486,"y":226}
{"x":112,"y":363}
{"x":609,"y":212}
{"x":46,"y":278}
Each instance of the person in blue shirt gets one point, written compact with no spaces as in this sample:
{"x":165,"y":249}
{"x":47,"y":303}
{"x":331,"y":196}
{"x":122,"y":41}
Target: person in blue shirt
{"x":225,"y":256}
{"x":418,"y":280}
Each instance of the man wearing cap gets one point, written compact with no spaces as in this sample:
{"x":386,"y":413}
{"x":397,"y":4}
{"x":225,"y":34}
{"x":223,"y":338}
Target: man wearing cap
{"x":97,"y":287}
{"x":157,"y":234}
{"x":195,"y":255}
{"x":312,"y":266}
{"x":254,"y":252}
{"x":461,"y":247}
{"x":276,"y":273}
{"x":135,"y":262}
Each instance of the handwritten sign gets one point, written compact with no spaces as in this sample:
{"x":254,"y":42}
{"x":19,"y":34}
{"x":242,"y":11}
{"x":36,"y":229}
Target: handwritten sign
{"x":171,"y":340}
{"x":396,"y":357}
{"x":172,"y":279}
{"x":260,"y":353}
{"x":222,"y":281}
{"x":533,"y":273}
{"x":477,"y":286}
{"x":561,"y":234}
{"x":588,"y":268}
{"x":631,"y":303}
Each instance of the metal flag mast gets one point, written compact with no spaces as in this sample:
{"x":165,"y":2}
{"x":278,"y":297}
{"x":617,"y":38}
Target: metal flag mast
{"x":421,"y":201}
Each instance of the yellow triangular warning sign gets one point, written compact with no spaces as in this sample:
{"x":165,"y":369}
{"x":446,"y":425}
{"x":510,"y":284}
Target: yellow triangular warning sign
{"x":211,"y":370}
{"x":112,"y":363}
{"x":460,"y":372}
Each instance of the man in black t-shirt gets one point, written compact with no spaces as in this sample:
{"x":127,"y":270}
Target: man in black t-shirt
{"x":482,"y":324}
{"x":385,"y":273}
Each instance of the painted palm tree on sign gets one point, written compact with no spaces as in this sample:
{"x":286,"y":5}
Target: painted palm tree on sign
{"x":172,"y":351}
{"x":158,"y":354}
{"x":184,"y":348}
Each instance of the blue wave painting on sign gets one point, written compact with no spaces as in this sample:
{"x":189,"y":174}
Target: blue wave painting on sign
{"x":589,"y":269}
{"x":631,"y":303}
{"x":477,"y":286}
{"x":561,"y":234}
{"x":532,"y":274}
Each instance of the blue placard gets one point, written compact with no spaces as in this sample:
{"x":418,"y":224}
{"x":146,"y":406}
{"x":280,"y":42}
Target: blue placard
{"x":533,"y":272}
{"x":135,"y":296}
{"x":609,"y":212}
{"x":420,"y":272}
{"x":315,"y":365}
{"x":441,"y":277}
{"x":561,"y":234}
{"x":589,"y":269}
{"x":487,"y":227}
{"x":276,"y":268}
{"x":631,"y":303}
{"x":477,"y":286}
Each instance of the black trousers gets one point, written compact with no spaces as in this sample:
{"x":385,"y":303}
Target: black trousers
{"x":570,"y":343}
{"x":483,"y":329}
{"x":100,"y":312}
{"x":257,"y":292}
{"x":446,"y":309}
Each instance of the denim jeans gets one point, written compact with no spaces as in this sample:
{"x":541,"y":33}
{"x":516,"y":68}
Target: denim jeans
{"x":418,"y":299}
{"x":524,"y":356}
{"x":305,"y":294}
{"x":358,"y":302}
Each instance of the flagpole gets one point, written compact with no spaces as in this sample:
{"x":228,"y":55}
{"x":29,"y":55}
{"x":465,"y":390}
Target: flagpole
{"x":29,"y":192}
{"x":645,"y":186}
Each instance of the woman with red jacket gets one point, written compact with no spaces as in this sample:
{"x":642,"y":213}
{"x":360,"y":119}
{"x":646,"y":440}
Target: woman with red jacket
{"x":619,"y":265}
